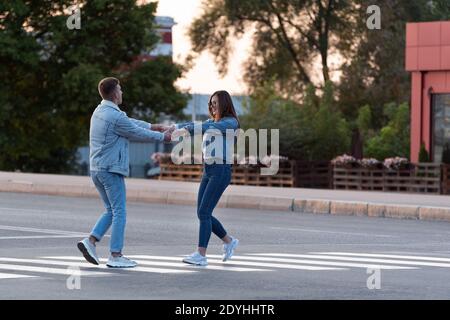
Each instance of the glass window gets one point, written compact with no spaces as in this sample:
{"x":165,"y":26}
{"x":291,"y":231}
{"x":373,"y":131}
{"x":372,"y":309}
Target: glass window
{"x":441,"y":124}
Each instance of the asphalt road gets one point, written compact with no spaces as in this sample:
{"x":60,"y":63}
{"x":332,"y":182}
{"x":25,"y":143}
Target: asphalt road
{"x":282,"y":255}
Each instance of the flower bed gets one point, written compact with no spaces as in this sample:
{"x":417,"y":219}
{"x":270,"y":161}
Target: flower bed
{"x":394,"y":174}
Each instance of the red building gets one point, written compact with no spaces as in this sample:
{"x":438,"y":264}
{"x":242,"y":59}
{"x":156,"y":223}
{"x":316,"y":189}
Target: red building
{"x":428,"y":60}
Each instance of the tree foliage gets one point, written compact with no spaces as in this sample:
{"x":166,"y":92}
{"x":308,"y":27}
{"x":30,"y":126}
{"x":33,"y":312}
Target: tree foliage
{"x":289,"y":37}
{"x":313,"y":130}
{"x":393,"y":140}
{"x":49,"y":75}
{"x":297,"y":43}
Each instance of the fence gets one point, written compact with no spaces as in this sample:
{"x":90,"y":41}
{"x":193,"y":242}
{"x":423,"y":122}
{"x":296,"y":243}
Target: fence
{"x":241,"y":175}
{"x":290,"y":174}
{"x":445,"y":181}
{"x":423,"y":178}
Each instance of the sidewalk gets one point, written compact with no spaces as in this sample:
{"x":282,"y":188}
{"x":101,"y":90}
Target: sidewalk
{"x":319,"y":201}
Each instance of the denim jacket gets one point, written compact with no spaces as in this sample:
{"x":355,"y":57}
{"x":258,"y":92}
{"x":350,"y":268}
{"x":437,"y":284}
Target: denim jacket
{"x":212,"y":130}
{"x":109,"y":137}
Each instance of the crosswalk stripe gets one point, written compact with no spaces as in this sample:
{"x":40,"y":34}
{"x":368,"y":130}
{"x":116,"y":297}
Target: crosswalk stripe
{"x":14,"y":276}
{"x":16,"y":267}
{"x":138,"y":268}
{"x":56,"y":263}
{"x":178,"y":264}
{"x":40,"y":237}
{"x":316,"y":262}
{"x":184,"y":265}
{"x":394,"y":256}
{"x":38,"y":230}
{"x":375,"y":261}
{"x":246,"y":263}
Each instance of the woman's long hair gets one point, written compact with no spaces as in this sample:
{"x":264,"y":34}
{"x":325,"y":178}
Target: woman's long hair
{"x":226,"y":107}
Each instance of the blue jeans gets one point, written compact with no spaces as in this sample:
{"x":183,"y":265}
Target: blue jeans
{"x":111,"y":187}
{"x":216,"y":178}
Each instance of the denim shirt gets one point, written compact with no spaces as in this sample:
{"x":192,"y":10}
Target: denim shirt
{"x":109,"y":137}
{"x":212,"y":130}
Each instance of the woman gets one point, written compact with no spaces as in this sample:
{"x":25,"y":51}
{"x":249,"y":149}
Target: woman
{"x":216,"y":174}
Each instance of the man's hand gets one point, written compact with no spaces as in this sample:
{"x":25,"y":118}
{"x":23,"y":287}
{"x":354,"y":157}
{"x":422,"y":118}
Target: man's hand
{"x":159,"y":127}
{"x":163,"y":128}
{"x":167,"y":136}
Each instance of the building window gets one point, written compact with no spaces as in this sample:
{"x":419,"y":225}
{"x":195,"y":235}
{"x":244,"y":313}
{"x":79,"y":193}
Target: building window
{"x":441,"y":124}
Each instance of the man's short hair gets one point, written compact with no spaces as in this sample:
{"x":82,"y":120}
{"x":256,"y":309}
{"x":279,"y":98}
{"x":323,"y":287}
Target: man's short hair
{"x":107,"y":86}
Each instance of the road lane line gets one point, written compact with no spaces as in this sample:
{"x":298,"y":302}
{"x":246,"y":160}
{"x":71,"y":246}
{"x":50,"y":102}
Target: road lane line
{"x":177,"y":264}
{"x":138,"y":268}
{"x":317,"y":262}
{"x":336,"y":232}
{"x":67,"y":272}
{"x":32,"y":210}
{"x":375,"y":261}
{"x":43,"y":237}
{"x":394,"y":256}
{"x":245,"y":263}
{"x":39,"y":230}
{"x":14,"y":276}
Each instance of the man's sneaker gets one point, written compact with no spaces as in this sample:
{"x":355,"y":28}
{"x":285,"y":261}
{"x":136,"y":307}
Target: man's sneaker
{"x":196,"y":259}
{"x":228,"y":249}
{"x":88,"y":251}
{"x":120,"y":262}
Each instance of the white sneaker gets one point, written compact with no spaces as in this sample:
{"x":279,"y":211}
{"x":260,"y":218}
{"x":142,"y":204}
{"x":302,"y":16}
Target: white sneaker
{"x":228,"y":249}
{"x":88,"y":251}
{"x":196,"y":259}
{"x":120,"y":262}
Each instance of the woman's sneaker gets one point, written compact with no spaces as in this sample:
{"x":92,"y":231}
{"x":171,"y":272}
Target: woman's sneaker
{"x":120,"y":262}
{"x":228,"y":249}
{"x":88,"y":251}
{"x":196,"y":259}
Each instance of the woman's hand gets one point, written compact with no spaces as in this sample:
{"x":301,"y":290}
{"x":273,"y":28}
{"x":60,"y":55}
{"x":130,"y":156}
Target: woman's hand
{"x":179,"y":132}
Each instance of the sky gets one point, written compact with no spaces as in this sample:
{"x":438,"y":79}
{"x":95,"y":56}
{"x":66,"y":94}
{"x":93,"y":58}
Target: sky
{"x":203,"y":77}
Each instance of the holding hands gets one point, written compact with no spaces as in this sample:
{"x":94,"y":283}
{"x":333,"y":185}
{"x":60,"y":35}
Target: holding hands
{"x":169,"y":131}
{"x":161,"y":127}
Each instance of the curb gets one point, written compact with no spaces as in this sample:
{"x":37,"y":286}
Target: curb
{"x":238,"y":201}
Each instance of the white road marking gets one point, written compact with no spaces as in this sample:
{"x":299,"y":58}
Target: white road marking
{"x":32,"y":210}
{"x":14,"y":276}
{"x":55,"y":233}
{"x":317,"y":262}
{"x":177,"y":264}
{"x":424,"y":258}
{"x":374,"y":261}
{"x":245,"y":263}
{"x":336,"y":232}
{"x":43,"y":237}
{"x":48,"y":270}
{"x":39,"y":230}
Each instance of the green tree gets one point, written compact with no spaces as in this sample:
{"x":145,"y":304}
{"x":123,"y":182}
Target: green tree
{"x":394,"y":138}
{"x":423,"y":153}
{"x":314,"y":130}
{"x":266,"y":110}
{"x":364,"y":122}
{"x":374,"y":70}
{"x":330,"y":129}
{"x":288,"y":36}
{"x":49,"y":76}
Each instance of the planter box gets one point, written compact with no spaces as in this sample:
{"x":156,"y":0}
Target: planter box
{"x":445,"y":178}
{"x":242,"y":175}
{"x":313,"y":174}
{"x":423,"y":178}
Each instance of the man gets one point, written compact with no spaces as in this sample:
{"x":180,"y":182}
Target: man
{"x":109,"y":137}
